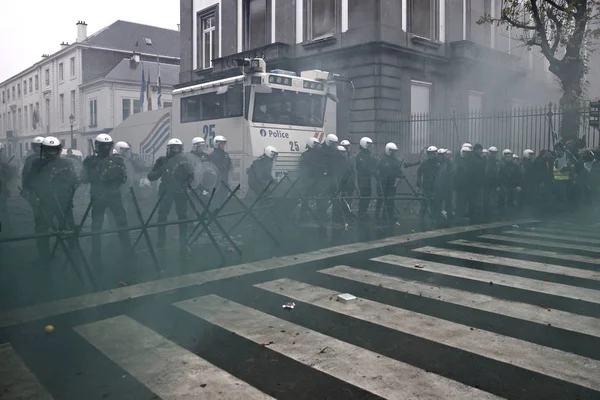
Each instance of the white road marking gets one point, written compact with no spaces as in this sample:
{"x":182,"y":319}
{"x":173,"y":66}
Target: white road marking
{"x":565,"y":238}
{"x":511,"y":262}
{"x":556,"y":245}
{"x":533,"y":285}
{"x":375,"y":373}
{"x":34,"y":312}
{"x":571,"y":232}
{"x":168,"y":370}
{"x":544,"y":360}
{"x":514,"y":309}
{"x":530,"y":252}
{"x":17,"y":382}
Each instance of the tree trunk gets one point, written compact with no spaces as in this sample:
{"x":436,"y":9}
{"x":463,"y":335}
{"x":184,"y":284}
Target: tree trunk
{"x":571,"y":100}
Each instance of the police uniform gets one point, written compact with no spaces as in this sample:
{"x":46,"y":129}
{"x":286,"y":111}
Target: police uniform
{"x":222,"y":161}
{"x":476,"y":184}
{"x":426,"y":175}
{"x":201,"y":155}
{"x":366,"y":167}
{"x":52,"y":183}
{"x":443,"y":191}
{"x":106,"y":175}
{"x":491,"y":183}
{"x":310,"y":171}
{"x":171,"y":195}
{"x":389,"y":169}
{"x":509,"y":178}
{"x":260,"y":174}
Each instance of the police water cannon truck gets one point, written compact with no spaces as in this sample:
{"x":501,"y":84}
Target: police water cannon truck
{"x":258,"y":109}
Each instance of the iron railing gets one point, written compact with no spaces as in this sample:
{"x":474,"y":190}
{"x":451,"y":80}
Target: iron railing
{"x":518,"y":129}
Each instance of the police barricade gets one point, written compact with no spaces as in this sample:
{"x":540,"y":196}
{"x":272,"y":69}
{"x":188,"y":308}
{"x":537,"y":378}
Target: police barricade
{"x":195,"y":183}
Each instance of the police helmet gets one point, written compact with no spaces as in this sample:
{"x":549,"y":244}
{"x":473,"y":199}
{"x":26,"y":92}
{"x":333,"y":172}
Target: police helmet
{"x":528,"y":153}
{"x":51,"y":148}
{"x":271,"y":152}
{"x":390,"y":148}
{"x":506,"y":152}
{"x":219,"y":139}
{"x":467,"y":144}
{"x":174,"y":146}
{"x":432,"y":149}
{"x":121,"y":148}
{"x":515,"y":156}
{"x":442,"y":151}
{"x":198,"y":143}
{"x":312,"y":142}
{"x":103,"y":138}
{"x":493,"y":149}
{"x":485,"y":151}
{"x":365,"y":142}
{"x":331,"y":139}
{"x":464,"y":150}
{"x":341,"y":149}
{"x":345,"y":143}
{"x":38,"y":140}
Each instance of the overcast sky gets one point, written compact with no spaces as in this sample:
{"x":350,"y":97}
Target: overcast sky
{"x":32,"y":28}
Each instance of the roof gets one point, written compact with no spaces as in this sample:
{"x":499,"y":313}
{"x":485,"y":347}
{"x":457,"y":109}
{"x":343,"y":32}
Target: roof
{"x":130,"y":36}
{"x":130,"y":71}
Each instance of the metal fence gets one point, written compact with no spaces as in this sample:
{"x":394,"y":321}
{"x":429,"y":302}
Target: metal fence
{"x":517,"y":129}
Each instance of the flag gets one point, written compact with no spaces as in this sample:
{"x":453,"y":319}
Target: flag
{"x":142,"y":91}
{"x":149,"y":93}
{"x":159,"y":100}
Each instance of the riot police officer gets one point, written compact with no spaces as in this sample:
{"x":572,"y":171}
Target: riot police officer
{"x":327,"y":186}
{"x":476,"y":184}
{"x":260,"y":172}
{"x":366,"y":168}
{"x":389,"y":171}
{"x":491,"y":183}
{"x":310,"y":169}
{"x":461,"y":180}
{"x":173,"y":185}
{"x":443,"y":210}
{"x":529,"y":178}
{"x":106,"y":174}
{"x":198,"y":148}
{"x":510,"y":179}
{"x":27,"y":192}
{"x":51,"y":180}
{"x":425,"y":179}
{"x":220,"y":158}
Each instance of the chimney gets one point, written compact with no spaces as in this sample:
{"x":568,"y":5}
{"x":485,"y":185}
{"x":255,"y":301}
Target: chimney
{"x":81,"y":31}
{"x":64,"y":45}
{"x":45,"y":56}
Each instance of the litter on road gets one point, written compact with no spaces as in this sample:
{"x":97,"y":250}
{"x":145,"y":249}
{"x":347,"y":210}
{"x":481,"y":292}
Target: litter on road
{"x":289,"y":306}
{"x":345,"y":298}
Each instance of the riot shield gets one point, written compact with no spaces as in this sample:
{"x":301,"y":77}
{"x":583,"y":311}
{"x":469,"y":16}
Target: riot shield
{"x":179,"y":171}
{"x":130,"y":170}
{"x":206,"y":177}
{"x":77,"y":167}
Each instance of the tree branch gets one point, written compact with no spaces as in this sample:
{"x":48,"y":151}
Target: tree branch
{"x":541,"y":31}
{"x":559,"y":30}
{"x":518,"y":24}
{"x":558,"y":7}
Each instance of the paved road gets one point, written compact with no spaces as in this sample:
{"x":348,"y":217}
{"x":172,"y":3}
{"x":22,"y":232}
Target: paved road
{"x":464,"y":313}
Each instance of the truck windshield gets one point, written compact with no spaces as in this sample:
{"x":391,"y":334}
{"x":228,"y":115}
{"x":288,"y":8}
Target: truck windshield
{"x":287,"y":107}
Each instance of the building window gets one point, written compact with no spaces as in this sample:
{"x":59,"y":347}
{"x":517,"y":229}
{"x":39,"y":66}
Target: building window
{"x":25,"y":87}
{"x":13,"y":94}
{"x":61,"y":72}
{"x":420,"y":102}
{"x":26,"y":117}
{"x":20,"y":120}
{"x":19,"y":90}
{"x":424,"y":19}
{"x":47,"y":77}
{"x":126,"y":108}
{"x":208,"y":42}
{"x":256,"y":23}
{"x":30,"y":85}
{"x":93,"y":113}
{"x":3,"y":99}
{"x":47,"y":115}
{"x":137,"y":106}
{"x":61,"y":107}
{"x":72,"y":65}
{"x":321,"y":18}
{"x":73,"y":102}
{"x":37,"y":83}
{"x":167,"y":104}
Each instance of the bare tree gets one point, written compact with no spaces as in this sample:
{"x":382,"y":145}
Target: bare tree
{"x":565,"y":31}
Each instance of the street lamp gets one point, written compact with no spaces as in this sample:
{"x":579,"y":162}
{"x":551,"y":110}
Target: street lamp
{"x":72,"y":121}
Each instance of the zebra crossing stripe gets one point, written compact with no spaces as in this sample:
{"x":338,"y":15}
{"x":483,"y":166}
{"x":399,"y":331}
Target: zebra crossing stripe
{"x":168,"y":370}
{"x":534,"y":242}
{"x":532,"y":285}
{"x":17,"y":382}
{"x":564,"y":238}
{"x":544,"y":360}
{"x":527,"y":312}
{"x":565,"y":231}
{"x":370,"y":371}
{"x":512,"y":262}
{"x":530,"y":252}
{"x":38,"y":311}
